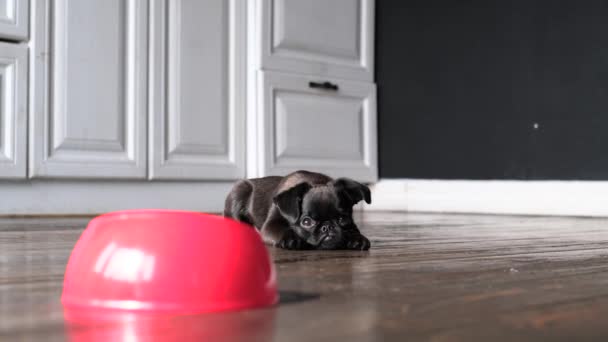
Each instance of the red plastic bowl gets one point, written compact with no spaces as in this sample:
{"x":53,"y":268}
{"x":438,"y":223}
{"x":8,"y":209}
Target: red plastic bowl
{"x":168,"y":261}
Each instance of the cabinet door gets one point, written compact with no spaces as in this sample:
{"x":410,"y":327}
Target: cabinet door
{"x":328,"y":38}
{"x":14,"y":19}
{"x":13,"y":110}
{"x":198,"y":78}
{"x":304,"y":126}
{"x":89,"y":89}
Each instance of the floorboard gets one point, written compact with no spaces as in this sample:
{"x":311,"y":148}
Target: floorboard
{"x":427,"y":277}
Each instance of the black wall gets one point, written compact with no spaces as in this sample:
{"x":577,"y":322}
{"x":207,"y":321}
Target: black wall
{"x":462,"y":84}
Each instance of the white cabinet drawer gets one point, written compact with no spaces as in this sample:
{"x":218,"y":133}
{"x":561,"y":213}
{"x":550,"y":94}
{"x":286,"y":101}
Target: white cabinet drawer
{"x":13,"y":111}
{"x":319,"y":37}
{"x":302,"y":125}
{"x":14,"y":21}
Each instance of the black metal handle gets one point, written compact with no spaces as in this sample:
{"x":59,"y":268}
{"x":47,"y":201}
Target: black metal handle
{"x":323,"y":85}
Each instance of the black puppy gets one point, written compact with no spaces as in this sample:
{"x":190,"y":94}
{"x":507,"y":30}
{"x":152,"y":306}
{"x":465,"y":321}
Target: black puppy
{"x":303,"y":210}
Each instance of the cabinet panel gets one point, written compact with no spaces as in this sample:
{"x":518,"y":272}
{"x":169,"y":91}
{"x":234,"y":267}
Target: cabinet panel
{"x":89,"y":92}
{"x":305,"y":126}
{"x":327,"y":38}
{"x":13,"y":110}
{"x":336,"y":33}
{"x":14,"y":21}
{"x":198,"y":108}
{"x":326,"y":130}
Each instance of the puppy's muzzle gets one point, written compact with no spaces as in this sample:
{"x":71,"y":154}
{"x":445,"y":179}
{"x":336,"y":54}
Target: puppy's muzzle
{"x":330,"y":233}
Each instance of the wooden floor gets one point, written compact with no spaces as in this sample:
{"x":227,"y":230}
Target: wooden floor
{"x":427,"y":277}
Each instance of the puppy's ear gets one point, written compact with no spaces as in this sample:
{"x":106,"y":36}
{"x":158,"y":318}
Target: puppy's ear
{"x":290,"y":200}
{"x":353,"y":191}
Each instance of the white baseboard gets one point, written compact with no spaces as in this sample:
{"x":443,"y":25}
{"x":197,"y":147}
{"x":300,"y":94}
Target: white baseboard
{"x":94,"y":197}
{"x":568,"y":198}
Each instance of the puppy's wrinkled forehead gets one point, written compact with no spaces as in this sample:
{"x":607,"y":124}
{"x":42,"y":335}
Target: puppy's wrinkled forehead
{"x":321,"y":202}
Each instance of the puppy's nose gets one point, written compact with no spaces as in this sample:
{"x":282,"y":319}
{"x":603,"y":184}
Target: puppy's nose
{"x":327,"y":229}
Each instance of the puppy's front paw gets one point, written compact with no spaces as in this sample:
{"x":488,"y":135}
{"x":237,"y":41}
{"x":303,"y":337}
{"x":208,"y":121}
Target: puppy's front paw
{"x":292,"y":241}
{"x":358,"y":242}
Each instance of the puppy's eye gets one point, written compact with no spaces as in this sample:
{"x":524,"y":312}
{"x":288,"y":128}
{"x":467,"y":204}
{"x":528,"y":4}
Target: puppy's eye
{"x":343,"y":221}
{"x":307,"y":222}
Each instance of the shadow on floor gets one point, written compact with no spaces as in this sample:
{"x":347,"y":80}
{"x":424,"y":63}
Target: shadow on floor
{"x":289,"y":297}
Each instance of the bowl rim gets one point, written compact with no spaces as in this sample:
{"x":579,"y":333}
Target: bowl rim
{"x":165,"y":213}
{"x":137,"y":212}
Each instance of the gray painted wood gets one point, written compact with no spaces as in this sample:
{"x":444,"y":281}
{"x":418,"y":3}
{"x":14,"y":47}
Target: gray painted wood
{"x":13,"y":110}
{"x":333,"y":132}
{"x":198,"y":79}
{"x":89,"y":89}
{"x":69,"y":197}
{"x":326,"y":38}
{"x":14,"y":19}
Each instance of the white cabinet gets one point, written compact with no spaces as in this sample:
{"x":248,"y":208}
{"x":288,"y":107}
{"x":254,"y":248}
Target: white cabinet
{"x":198,"y":61}
{"x":14,"y":21}
{"x":307,"y":126}
{"x":112,"y":100}
{"x":89,"y":93}
{"x":312,"y":99}
{"x":325,"y":38}
{"x":157,"y":89}
{"x":13,"y":110}
{"x":179,"y":98}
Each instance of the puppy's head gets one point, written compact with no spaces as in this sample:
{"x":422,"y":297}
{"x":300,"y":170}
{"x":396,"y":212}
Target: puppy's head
{"x":322,"y":214}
